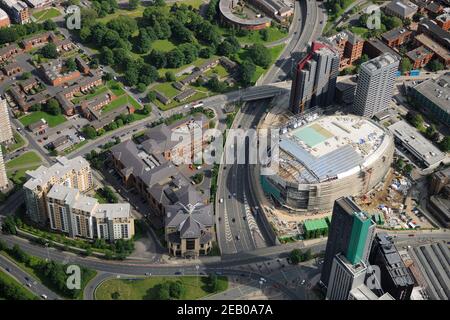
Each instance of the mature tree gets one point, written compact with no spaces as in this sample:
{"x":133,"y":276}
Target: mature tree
{"x":141,"y":87}
{"x":295,"y":256}
{"x":260,"y":55}
{"x":121,"y":57}
{"x":151,"y":96}
{"x":157,"y":59}
{"x":247,"y":70}
{"x":115,"y":295}
{"x":9,"y":226}
{"x":264,"y":33}
{"x":417,"y":16}
{"x":190,"y":52}
{"x":211,"y":10}
{"x":445,"y":144}
{"x":175,"y":58}
{"x":148,"y":74}
{"x":435,"y":65}
{"x":162,"y":291}
{"x":143,"y":41}
{"x":36,"y":107}
{"x":429,"y":132}
{"x":49,"y":51}
{"x":52,"y":107}
{"x":180,"y":33}
{"x":225,"y":49}
{"x":405,"y":65}
{"x":71,"y":64}
{"x":177,"y":289}
{"x":89,"y":132}
{"x":131,"y":76}
{"x":125,"y":26}
{"x":106,"y":56}
{"x":205,"y":53}
{"x":49,"y":25}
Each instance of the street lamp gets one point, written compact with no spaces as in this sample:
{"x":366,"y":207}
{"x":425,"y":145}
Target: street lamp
{"x":196,"y":268}
{"x":48,"y":253}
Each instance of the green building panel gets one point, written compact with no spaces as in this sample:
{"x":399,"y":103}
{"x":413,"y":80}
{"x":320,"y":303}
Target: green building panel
{"x":270,"y":189}
{"x":360,"y":230}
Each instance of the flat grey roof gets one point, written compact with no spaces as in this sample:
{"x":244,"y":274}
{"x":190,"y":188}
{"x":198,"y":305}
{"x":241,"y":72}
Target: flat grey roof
{"x":437,"y":91}
{"x":433,"y":260}
{"x":413,"y":139}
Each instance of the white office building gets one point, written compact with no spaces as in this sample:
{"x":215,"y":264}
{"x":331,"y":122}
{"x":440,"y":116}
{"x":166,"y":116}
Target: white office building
{"x":6,"y":135}
{"x":375,"y":85}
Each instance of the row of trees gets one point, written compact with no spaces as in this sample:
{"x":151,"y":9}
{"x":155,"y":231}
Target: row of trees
{"x":194,"y":35}
{"x":169,"y":290}
{"x":18,"y":31}
{"x":53,"y":272}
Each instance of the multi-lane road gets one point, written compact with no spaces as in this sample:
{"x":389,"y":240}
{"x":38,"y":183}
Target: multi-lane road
{"x":235,"y":183}
{"x":26,"y":280}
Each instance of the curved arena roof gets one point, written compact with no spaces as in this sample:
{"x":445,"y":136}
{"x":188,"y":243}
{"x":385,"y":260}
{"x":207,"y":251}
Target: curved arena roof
{"x":331,"y":147}
{"x":225,"y":10}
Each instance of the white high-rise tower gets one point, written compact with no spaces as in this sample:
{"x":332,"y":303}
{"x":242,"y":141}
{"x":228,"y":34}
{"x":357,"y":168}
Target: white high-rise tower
{"x":375,"y":84}
{"x":6,"y":134}
{"x":3,"y":177}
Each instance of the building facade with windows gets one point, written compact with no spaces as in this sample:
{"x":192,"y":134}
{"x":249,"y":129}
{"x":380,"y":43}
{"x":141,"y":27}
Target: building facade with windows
{"x":6,"y":135}
{"x":315,"y":77}
{"x":81,"y":216}
{"x":74,"y":173}
{"x":375,"y":85}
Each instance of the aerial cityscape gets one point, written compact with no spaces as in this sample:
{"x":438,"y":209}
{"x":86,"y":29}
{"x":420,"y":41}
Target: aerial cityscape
{"x":239,"y":150}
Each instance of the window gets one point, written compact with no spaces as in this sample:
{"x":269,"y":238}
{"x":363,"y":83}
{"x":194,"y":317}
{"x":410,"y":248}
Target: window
{"x":190,"y":244}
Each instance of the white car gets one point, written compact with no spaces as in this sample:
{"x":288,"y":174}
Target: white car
{"x":221,"y":200}
{"x":303,"y":282}
{"x":44,"y":296}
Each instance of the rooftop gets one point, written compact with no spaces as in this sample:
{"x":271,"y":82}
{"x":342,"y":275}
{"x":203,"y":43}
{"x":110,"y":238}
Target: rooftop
{"x":418,"y":53}
{"x":380,"y":62}
{"x":43,"y":175}
{"x":437,"y":91}
{"x":331,"y":147}
{"x":394,"y":263}
{"x":382,"y":47}
{"x":422,"y":147}
{"x":433,"y":45}
{"x":433,"y":260}
{"x":402,"y":7}
{"x":395,"y":33}
{"x":225,"y":9}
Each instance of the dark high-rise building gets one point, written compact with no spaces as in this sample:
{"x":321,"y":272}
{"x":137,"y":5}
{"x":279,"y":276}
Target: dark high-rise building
{"x":396,"y":279}
{"x":351,"y":233}
{"x":315,"y":76}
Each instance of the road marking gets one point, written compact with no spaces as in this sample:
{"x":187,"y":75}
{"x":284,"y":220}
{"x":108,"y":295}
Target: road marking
{"x":228,"y":234}
{"x":251,"y":221}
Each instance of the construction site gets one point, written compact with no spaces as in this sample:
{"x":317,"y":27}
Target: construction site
{"x":323,"y":157}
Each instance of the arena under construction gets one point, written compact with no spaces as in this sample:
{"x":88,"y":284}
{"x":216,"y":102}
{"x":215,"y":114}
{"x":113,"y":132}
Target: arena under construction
{"x":322,"y":158}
